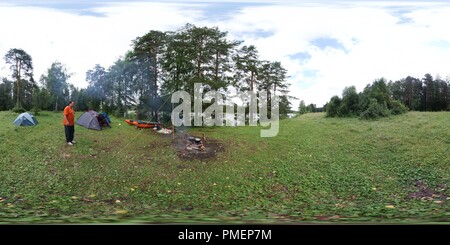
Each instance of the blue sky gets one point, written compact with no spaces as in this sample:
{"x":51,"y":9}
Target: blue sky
{"x":325,"y":45}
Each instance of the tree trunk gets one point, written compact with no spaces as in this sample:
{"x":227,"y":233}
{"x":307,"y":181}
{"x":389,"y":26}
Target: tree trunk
{"x":18,"y":65}
{"x":251,"y":81}
{"x":198,"y":67}
{"x":18,"y":93}
{"x":217,"y":67}
{"x":56,"y":104}
{"x":155,"y":74}
{"x":155,"y":81}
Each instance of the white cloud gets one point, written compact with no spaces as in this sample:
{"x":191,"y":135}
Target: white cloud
{"x":378,"y":42}
{"x":80,"y":42}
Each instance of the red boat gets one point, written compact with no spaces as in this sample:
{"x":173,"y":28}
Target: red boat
{"x":130,"y":122}
{"x":143,"y":124}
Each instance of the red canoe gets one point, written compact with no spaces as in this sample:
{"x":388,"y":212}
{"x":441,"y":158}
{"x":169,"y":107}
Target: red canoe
{"x":142,"y":124}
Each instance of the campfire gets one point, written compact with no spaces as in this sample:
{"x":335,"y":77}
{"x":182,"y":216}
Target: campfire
{"x":195,"y":147}
{"x":195,"y":143}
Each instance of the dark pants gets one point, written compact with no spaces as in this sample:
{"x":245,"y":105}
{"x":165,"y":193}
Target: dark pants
{"x":69,"y":130}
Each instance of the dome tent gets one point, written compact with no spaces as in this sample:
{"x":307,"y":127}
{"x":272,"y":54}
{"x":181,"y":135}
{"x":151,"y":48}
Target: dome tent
{"x":91,"y":120}
{"x":25,"y":119}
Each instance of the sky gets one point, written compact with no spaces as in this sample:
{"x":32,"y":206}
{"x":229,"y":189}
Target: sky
{"x":324,"y":45}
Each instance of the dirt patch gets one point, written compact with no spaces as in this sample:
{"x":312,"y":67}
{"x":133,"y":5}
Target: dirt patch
{"x":426,"y":193}
{"x":66,"y":155}
{"x":212,"y":147}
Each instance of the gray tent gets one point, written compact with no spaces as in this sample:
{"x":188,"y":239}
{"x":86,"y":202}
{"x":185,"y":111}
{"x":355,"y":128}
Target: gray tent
{"x":89,"y":120}
{"x":25,"y":119}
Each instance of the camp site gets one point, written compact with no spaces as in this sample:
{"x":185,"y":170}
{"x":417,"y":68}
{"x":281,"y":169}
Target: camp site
{"x":204,"y":123}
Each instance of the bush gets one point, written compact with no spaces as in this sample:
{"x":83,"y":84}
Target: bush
{"x":18,"y":110}
{"x":165,"y":117}
{"x":333,"y":107}
{"x":375,"y":110}
{"x":36,"y":111}
{"x":143,"y":115}
{"x":118,"y":114}
{"x":398,"y":107}
{"x":131,"y":115}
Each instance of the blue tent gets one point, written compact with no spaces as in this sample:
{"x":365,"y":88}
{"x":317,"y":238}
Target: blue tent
{"x":25,"y":119}
{"x":106,"y":116}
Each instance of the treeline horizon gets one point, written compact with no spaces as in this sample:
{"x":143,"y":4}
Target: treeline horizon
{"x":381,"y":98}
{"x":158,"y":64}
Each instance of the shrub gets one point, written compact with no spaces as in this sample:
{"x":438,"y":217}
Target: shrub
{"x":36,"y":111}
{"x":333,"y":107}
{"x":18,"y":110}
{"x":375,"y":110}
{"x":398,"y":107}
{"x":131,"y":115}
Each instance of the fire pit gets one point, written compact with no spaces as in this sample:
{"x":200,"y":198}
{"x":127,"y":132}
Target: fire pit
{"x":195,"y":144}
{"x":195,"y":147}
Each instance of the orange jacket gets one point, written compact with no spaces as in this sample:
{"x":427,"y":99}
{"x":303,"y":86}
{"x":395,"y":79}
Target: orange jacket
{"x":70,"y":114}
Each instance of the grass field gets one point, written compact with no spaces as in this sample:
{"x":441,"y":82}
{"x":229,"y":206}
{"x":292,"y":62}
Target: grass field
{"x":317,"y":169}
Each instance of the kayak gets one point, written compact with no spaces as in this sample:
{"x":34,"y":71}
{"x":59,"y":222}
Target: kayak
{"x":130,"y":122}
{"x":143,"y":124}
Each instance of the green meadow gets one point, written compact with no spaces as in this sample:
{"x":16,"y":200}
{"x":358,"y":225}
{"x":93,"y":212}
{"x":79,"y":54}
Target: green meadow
{"x":393,"y":170}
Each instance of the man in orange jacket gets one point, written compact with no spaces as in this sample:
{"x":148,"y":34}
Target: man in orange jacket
{"x":69,"y":122}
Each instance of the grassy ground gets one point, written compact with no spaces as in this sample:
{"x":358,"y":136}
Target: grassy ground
{"x":322,"y":169}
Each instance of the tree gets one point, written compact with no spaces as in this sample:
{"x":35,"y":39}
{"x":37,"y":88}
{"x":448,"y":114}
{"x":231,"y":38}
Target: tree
{"x":302,"y":107}
{"x":177,"y":66}
{"x":375,"y":101}
{"x":284,"y":106}
{"x":121,"y":77}
{"x":21,"y":66}
{"x":445,"y":96}
{"x":151,"y":47}
{"x":36,"y":100}
{"x":380,"y":91}
{"x":97,"y":89}
{"x":417,"y":99}
{"x":6,"y":98}
{"x":428,"y":91}
{"x":247,"y":64}
{"x":272,"y":77}
{"x":221,"y":64}
{"x":311,"y":108}
{"x":45,"y":99}
{"x":202,"y":50}
{"x":350,"y":102}
{"x":198,"y":55}
{"x":398,"y":90}
{"x":80,"y":96}
{"x":448,"y":93}
{"x":441,"y":95}
{"x":56,"y":83}
{"x":333,"y":106}
{"x":412,"y":93}
{"x":161,"y":63}
{"x":374,"y":110}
